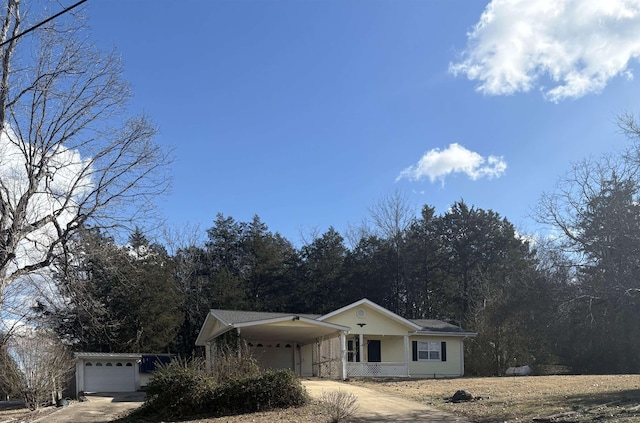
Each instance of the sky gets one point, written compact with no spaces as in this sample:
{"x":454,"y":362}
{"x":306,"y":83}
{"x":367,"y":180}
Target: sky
{"x":308,"y":112}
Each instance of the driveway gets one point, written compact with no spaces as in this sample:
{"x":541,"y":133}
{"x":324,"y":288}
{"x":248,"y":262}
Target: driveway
{"x":99,"y":408}
{"x":377,"y":406}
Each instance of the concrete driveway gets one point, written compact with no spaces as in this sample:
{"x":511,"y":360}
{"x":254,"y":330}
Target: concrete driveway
{"x":99,"y":408}
{"x":377,"y":406}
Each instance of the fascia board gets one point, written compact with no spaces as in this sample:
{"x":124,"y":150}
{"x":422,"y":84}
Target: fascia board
{"x":218,"y":333}
{"x":210,"y":315}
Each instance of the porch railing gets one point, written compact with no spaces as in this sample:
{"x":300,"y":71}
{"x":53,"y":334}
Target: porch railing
{"x":377,"y":369}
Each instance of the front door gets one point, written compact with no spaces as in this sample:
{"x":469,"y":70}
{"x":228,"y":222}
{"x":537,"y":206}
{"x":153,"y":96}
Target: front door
{"x":373,"y":351}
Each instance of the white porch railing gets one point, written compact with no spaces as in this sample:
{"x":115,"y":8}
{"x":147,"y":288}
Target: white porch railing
{"x":377,"y":369}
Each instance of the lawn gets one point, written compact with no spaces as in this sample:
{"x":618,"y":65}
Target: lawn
{"x":527,"y":399}
{"x":557,"y":399}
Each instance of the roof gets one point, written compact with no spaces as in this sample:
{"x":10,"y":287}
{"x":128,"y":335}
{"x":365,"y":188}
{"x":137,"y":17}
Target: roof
{"x":375,"y":306}
{"x":130,"y":356}
{"x":302,"y":327}
{"x":239,"y":316}
{"x":233,"y":317}
{"x":431,"y":325}
{"x":266,"y":325}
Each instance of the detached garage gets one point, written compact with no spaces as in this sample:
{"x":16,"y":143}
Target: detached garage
{"x":107,"y":372}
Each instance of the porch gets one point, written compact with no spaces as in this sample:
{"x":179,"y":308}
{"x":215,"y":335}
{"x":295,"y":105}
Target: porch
{"x":365,"y":356}
{"x":390,"y":369}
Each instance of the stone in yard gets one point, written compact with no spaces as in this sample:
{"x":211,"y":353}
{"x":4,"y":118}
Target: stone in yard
{"x":461,"y":396}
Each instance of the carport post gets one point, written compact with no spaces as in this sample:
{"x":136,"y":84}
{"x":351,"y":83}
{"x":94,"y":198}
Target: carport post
{"x":210,"y":354}
{"x":406,"y":353}
{"x":343,"y":354}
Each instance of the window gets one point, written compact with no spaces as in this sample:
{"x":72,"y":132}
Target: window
{"x":428,"y":351}
{"x":129,"y":364}
{"x":88,"y":364}
{"x":109,"y":364}
{"x":118,"y":364}
{"x":98,"y":364}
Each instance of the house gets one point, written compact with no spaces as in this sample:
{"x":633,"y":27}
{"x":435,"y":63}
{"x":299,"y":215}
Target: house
{"x":361,"y":339}
{"x":115,"y":372}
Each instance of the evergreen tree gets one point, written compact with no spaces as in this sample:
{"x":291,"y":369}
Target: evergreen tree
{"x":322,"y":284}
{"x":117,"y":299}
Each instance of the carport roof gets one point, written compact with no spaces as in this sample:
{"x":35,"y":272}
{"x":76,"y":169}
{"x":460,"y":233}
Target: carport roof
{"x":238,"y":316}
{"x":266,"y":326}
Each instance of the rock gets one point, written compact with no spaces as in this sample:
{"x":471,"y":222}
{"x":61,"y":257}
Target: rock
{"x":461,"y":396}
{"x":519,"y":371}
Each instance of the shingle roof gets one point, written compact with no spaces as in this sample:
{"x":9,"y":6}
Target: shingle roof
{"x":437,"y":326}
{"x":237,"y":316}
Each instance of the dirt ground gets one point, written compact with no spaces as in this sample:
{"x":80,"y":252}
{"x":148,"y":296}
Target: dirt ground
{"x":539,"y":399}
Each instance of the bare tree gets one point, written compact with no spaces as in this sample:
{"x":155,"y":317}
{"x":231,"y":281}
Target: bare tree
{"x":392,"y":215}
{"x":69,"y":154}
{"x":36,"y":365}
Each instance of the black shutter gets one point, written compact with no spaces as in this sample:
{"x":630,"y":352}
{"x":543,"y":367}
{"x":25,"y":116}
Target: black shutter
{"x":414,"y":348}
{"x":443,"y":351}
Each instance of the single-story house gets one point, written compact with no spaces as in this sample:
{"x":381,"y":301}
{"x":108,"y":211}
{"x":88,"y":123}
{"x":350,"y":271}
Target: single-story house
{"x":361,"y":339}
{"x":115,"y":372}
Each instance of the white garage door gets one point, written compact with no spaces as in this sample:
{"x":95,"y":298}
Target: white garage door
{"x":109,"y":376}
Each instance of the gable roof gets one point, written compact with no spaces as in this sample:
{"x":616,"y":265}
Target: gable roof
{"x":295,"y":327}
{"x":375,"y":306}
{"x":239,"y":316}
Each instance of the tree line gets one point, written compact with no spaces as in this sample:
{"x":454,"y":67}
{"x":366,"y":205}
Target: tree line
{"x":529,"y":302}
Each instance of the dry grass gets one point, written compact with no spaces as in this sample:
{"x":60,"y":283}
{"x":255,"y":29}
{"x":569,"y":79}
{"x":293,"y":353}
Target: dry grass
{"x":576,"y":399}
{"x":314,"y":412}
{"x":613,"y":398}
{"x":12,"y":412}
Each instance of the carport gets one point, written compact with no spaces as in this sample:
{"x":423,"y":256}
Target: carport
{"x":279,"y":340}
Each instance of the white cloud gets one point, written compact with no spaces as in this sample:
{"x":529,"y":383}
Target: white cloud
{"x":436,"y":164}
{"x":57,"y":197}
{"x":579,"y":45}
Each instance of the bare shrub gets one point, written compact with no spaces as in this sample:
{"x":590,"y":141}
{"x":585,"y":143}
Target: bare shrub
{"x":233,"y":360}
{"x":340,"y":405}
{"x":35,"y":364}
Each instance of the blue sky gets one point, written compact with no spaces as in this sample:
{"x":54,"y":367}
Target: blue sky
{"x":308,"y":112}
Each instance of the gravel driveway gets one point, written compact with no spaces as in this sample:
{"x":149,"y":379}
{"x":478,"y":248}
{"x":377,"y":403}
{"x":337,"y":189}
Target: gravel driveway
{"x":377,"y":406}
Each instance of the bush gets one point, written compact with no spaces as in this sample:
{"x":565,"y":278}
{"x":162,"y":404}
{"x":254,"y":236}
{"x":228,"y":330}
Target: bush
{"x":183,"y":388}
{"x":340,"y":405}
{"x":178,"y":387}
{"x":272,"y":389}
